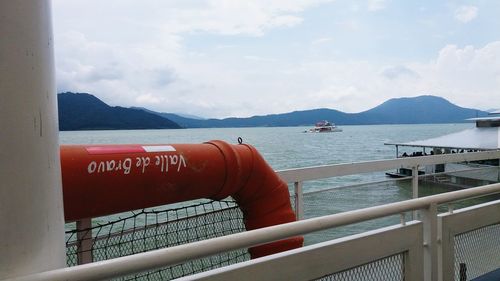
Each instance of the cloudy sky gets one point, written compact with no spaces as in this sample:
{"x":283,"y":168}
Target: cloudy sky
{"x":221,"y":58}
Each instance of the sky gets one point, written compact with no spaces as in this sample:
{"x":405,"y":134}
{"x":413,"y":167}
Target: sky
{"x":230,"y":58}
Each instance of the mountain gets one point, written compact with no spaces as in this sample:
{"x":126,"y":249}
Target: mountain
{"x":81,"y":111}
{"x":416,"y":110}
{"x":296,"y":118}
{"x":189,"y":116}
{"x":183,"y":120}
{"x":86,"y":112}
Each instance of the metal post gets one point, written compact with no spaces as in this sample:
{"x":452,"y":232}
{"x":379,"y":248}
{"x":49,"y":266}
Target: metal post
{"x":84,"y":238}
{"x":430,"y":223}
{"x":31,"y":206}
{"x":397,"y":156}
{"x":498,"y":179}
{"x":414,"y":185}
{"x":299,"y":200}
{"x":414,"y":181}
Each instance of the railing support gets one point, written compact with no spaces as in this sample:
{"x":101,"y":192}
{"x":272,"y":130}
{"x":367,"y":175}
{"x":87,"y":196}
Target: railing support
{"x":414,"y":181}
{"x":181,"y":253}
{"x":414,"y":186}
{"x":299,"y":200}
{"x":429,"y":219}
{"x":84,"y":238}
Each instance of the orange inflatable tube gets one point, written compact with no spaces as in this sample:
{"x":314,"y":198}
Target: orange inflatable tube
{"x":100,"y":180}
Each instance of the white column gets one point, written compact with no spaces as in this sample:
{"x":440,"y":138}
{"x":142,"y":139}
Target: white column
{"x":414,"y":186}
{"x":31,"y":206}
{"x":299,"y":200}
{"x":414,"y":181}
{"x":430,"y":223}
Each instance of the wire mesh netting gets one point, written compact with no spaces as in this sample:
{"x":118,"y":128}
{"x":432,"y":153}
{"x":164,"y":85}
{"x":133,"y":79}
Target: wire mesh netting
{"x":477,"y":251}
{"x":151,"y":229}
{"x":340,"y":199}
{"x":390,"y":268}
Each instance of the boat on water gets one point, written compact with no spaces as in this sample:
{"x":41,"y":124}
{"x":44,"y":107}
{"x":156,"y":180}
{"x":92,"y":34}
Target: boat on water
{"x":324,"y":127}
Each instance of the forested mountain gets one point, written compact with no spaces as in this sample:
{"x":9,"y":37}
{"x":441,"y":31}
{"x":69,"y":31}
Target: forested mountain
{"x":416,"y":110}
{"x":79,"y":111}
{"x":86,"y":112}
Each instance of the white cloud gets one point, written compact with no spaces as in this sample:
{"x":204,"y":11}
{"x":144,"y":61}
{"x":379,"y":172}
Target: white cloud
{"x":286,"y":21}
{"x":321,"y":41}
{"x":232,"y":17}
{"x":376,"y":5}
{"x":467,"y":76}
{"x":395,"y":72}
{"x":145,"y":62}
{"x":222,"y":87}
{"x":351,"y":24}
{"x":257,"y":58}
{"x":466,"y":13}
{"x":148,"y":99}
{"x":136,"y":52}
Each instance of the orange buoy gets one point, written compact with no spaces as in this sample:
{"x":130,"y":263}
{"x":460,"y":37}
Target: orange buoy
{"x":101,"y":180}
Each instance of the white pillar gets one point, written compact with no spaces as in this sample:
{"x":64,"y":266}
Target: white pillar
{"x":414,"y":186}
{"x":31,"y":207}
{"x":414,"y":181}
{"x":299,"y":200}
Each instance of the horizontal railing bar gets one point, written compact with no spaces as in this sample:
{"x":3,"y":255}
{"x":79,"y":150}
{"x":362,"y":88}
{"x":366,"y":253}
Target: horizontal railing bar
{"x":328,"y":171}
{"x":341,"y":187}
{"x":398,"y":179}
{"x":175,"y":255}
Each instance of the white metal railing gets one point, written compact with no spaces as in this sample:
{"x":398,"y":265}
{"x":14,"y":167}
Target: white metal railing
{"x":299,"y":175}
{"x":175,"y":255}
{"x":463,"y":221}
{"x":401,"y":259}
{"x":408,"y":240}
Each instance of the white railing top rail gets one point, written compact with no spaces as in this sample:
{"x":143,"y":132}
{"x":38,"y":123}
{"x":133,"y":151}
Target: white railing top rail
{"x":174,"y":255}
{"x":387,"y":180}
{"x":328,"y":171}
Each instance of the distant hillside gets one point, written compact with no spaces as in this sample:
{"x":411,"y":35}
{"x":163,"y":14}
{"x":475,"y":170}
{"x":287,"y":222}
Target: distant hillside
{"x":183,"y":121}
{"x":416,"y":110}
{"x":80,"y":111}
{"x":296,"y":118}
{"x":86,"y":112}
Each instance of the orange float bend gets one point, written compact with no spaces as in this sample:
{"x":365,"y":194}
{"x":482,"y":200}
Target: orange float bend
{"x":100,"y":180}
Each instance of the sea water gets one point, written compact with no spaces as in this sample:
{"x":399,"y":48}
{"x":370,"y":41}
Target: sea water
{"x":283,"y":147}
{"x":290,"y":147}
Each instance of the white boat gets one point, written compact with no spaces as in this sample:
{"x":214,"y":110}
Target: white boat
{"x":324,"y":127}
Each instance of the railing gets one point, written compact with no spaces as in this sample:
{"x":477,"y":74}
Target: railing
{"x":432,"y":265}
{"x":429,"y":249}
{"x":427,"y":243}
{"x":298,"y":176}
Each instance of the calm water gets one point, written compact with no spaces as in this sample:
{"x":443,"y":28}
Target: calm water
{"x":284,"y":147}
{"x":289,"y":147}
